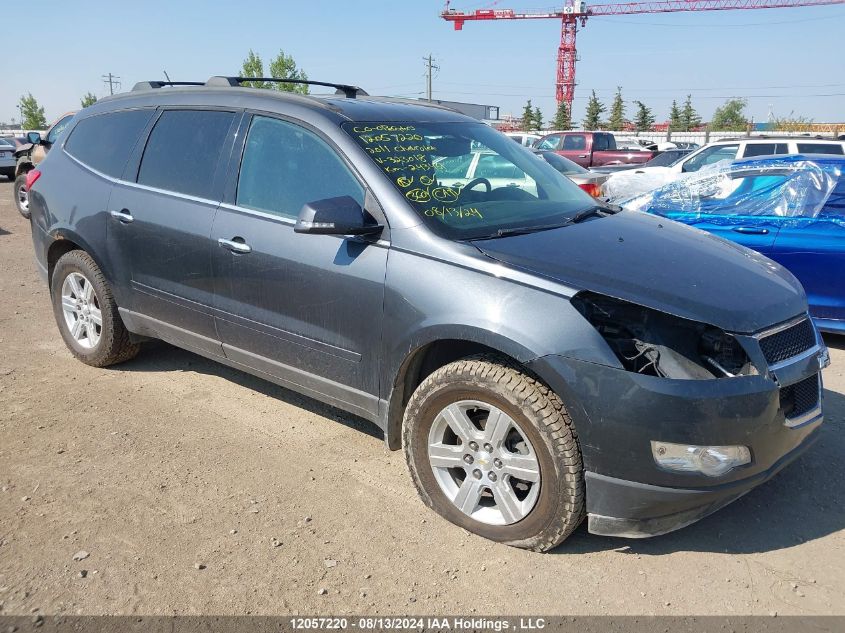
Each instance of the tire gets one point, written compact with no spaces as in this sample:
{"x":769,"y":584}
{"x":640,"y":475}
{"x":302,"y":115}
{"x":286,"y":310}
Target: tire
{"x":21,"y":196}
{"x":80,"y":297}
{"x":541,"y":438}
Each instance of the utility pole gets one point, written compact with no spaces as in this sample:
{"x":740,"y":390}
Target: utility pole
{"x":112,"y":81}
{"x":429,"y":67}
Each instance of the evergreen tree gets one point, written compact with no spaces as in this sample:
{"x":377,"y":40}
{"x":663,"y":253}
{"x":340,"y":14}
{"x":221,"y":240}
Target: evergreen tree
{"x":644,"y":118}
{"x":617,"y":111}
{"x":562,"y":120}
{"x":595,"y":108}
{"x":538,"y":119}
{"x":676,"y":123}
{"x":527,"y":117}
{"x":689,"y":117}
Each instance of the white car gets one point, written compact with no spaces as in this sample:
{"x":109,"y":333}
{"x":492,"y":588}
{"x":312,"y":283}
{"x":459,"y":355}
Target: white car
{"x":526,"y":139}
{"x":636,"y":181}
{"x":458,"y":171}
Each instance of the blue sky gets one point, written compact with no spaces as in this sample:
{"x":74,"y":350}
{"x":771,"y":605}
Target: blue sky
{"x":789,"y":58}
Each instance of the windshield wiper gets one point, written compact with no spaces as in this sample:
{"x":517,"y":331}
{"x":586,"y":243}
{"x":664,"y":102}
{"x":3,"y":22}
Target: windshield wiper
{"x":600,"y":210}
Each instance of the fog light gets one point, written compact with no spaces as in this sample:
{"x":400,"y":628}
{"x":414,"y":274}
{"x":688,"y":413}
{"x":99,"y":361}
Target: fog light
{"x":708,"y":460}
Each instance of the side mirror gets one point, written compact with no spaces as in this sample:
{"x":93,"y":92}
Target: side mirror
{"x":33,"y":137}
{"x":335,"y":216}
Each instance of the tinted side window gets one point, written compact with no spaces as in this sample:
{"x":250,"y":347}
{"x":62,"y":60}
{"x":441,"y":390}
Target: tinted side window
{"x":760,"y":149}
{"x":284,"y":166}
{"x":820,"y":148}
{"x":104,"y":142}
{"x":574,"y":142}
{"x":183,"y":150}
{"x":600,"y":143}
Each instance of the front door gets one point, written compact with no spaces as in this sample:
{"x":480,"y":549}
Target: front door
{"x":161,"y":225}
{"x":305,"y":309}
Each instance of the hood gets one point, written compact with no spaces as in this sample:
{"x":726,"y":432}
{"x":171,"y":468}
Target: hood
{"x":660,"y":264}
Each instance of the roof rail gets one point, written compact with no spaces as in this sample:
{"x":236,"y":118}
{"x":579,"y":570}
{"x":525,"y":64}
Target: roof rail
{"x":345,"y":89}
{"x":151,"y":85}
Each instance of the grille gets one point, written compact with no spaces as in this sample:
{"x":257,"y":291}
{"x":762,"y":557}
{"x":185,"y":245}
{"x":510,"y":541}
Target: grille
{"x":790,"y":342}
{"x":798,"y":399}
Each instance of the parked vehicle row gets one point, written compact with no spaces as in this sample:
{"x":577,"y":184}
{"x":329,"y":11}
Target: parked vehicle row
{"x":540,"y":356}
{"x":789,"y":208}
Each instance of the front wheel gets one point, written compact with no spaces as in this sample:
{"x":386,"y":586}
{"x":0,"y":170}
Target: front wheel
{"x":493,"y":450}
{"x":86,"y":312}
{"x":22,"y":195}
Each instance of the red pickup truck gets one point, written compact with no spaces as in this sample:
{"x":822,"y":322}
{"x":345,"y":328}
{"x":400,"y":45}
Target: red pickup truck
{"x":591,"y":149}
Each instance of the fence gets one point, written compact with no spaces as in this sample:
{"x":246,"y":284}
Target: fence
{"x":704,"y":137}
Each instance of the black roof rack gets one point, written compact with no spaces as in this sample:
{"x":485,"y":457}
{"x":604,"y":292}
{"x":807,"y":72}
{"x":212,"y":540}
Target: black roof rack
{"x":151,"y":85}
{"x":349,"y":91}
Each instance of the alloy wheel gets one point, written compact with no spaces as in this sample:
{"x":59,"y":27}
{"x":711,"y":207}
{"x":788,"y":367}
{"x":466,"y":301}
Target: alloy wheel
{"x":484,"y":463}
{"x":81,"y":310}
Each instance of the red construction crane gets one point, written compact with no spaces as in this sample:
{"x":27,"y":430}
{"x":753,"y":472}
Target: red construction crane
{"x":574,"y":11}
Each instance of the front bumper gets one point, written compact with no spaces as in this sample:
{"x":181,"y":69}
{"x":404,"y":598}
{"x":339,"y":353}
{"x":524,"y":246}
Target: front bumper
{"x":618,"y":413}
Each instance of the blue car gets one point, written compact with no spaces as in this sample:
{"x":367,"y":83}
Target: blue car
{"x":789,"y":208}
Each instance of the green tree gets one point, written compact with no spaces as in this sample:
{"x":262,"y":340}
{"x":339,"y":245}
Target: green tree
{"x":562,"y":120}
{"x":253,"y":66}
{"x":689,"y":117}
{"x":617,"y":111}
{"x":528,"y":117}
{"x":32,"y":114}
{"x":284,"y":67}
{"x":88,"y":100}
{"x":676,"y":123}
{"x":538,"y":119}
{"x":595,"y":108}
{"x":730,"y":116}
{"x":644,"y":118}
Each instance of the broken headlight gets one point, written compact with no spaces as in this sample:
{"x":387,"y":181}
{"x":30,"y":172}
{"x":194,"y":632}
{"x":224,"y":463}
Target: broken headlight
{"x":654,"y":343}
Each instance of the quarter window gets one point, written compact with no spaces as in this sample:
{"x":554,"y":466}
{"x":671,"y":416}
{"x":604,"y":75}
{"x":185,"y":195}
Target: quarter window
{"x":104,"y":142}
{"x":285,"y":166}
{"x":820,"y":148}
{"x":183,"y":151}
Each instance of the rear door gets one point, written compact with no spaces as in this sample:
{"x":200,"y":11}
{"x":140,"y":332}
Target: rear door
{"x":813,"y":249}
{"x":304,"y":309}
{"x":161,"y":223}
{"x":576,"y":147}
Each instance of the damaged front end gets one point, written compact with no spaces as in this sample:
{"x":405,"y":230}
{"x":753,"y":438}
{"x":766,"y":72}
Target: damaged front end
{"x":654,"y":343}
{"x":691,"y":418}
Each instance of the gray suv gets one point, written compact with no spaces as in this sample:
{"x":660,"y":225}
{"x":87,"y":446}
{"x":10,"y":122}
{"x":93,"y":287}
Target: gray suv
{"x":539,"y":356}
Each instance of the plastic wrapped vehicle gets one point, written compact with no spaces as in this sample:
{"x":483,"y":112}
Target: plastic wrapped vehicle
{"x":790,"y":208}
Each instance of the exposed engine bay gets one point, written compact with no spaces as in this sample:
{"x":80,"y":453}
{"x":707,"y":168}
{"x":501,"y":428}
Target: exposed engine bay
{"x":653,"y":343}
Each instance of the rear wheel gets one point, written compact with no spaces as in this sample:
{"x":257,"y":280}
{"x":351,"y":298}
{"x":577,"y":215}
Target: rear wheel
{"x":493,"y":450}
{"x":86,"y":312}
{"x":22,"y":195}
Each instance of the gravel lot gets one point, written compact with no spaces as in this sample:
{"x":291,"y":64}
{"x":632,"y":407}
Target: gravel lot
{"x":186,"y":487}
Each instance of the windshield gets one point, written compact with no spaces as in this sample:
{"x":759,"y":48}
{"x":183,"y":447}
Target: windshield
{"x":468,"y":181}
{"x":666,"y":159}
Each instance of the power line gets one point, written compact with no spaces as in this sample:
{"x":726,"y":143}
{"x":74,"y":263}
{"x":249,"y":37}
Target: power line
{"x":112,"y":81}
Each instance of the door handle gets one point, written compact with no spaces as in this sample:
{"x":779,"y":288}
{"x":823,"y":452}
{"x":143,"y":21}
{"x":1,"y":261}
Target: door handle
{"x":236,"y":245}
{"x":751,"y":230}
{"x":123,"y":215}
{"x":583,"y":155}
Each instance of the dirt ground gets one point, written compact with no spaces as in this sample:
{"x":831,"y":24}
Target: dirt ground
{"x":195,"y":489}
